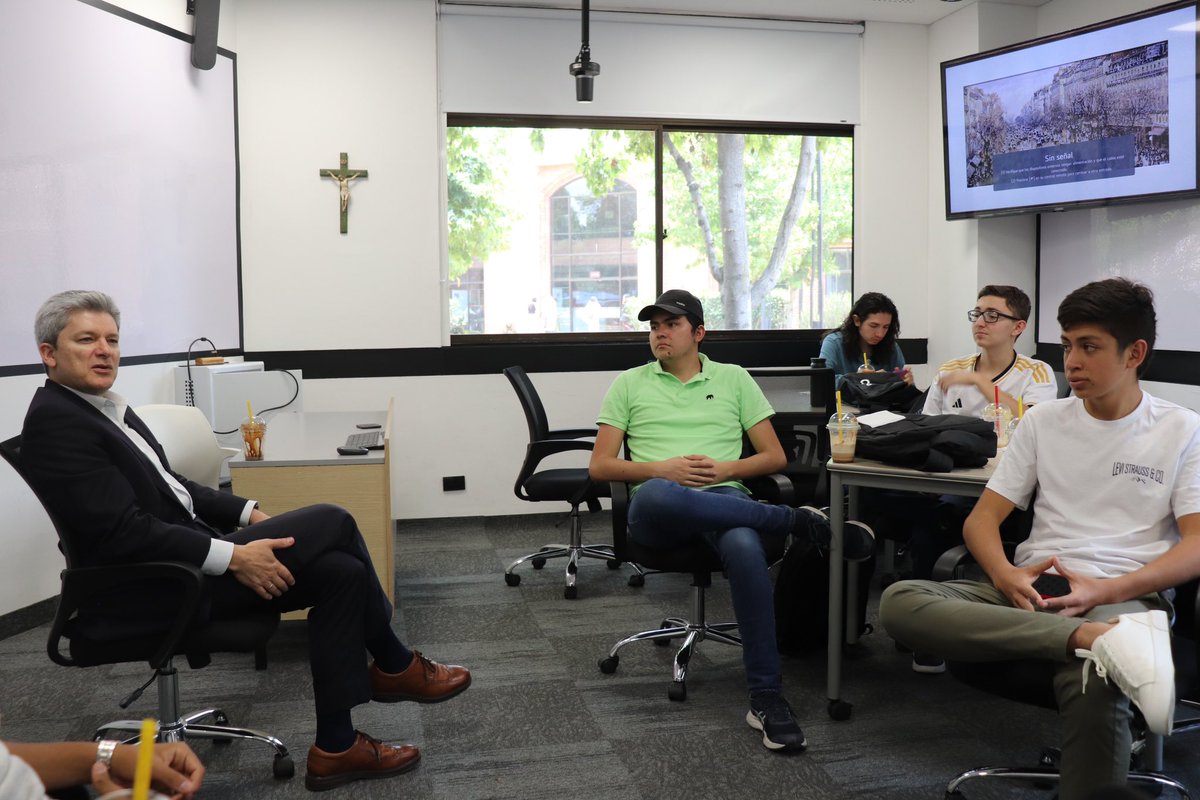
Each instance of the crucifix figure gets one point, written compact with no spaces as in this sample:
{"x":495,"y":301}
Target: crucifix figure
{"x":343,"y":176}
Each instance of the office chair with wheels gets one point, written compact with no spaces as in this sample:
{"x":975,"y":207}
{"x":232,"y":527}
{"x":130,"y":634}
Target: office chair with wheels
{"x":1030,"y":681}
{"x":572,"y":486}
{"x":187,"y":438}
{"x":700,"y":562}
{"x":103,"y":618}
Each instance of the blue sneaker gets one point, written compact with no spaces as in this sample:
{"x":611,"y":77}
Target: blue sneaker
{"x":772,"y":715}
{"x":811,"y":525}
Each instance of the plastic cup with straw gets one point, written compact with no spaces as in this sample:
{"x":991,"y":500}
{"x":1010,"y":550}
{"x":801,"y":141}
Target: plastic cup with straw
{"x":253,"y":431}
{"x":999,"y":419}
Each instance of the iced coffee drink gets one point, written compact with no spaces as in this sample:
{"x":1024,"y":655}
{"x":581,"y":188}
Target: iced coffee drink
{"x":253,"y":432}
{"x":843,"y":435}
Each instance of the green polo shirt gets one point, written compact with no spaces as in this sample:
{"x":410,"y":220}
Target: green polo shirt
{"x":663,"y":418}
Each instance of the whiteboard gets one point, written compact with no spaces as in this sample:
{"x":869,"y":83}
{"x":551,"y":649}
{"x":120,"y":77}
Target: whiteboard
{"x":118,"y":172}
{"x":1157,"y":244}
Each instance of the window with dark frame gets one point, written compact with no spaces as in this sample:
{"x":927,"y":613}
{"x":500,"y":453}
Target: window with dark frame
{"x":568,"y":226}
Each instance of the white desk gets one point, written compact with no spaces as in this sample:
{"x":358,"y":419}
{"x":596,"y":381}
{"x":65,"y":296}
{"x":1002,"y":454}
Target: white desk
{"x":301,"y":466}
{"x":875,"y":474}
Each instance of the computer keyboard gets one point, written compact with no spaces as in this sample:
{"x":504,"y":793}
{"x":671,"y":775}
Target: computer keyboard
{"x":372,"y":440}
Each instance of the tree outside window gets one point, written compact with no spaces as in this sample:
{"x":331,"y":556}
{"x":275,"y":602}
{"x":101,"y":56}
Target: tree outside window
{"x":759,"y":225}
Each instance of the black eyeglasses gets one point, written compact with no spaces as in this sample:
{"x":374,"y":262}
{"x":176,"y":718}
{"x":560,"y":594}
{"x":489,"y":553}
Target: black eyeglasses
{"x":989,"y":316}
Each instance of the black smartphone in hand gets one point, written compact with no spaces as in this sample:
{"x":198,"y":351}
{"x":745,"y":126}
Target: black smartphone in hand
{"x":1050,"y":585}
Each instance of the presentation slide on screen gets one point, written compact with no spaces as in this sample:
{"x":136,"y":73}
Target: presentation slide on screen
{"x":1102,"y":114}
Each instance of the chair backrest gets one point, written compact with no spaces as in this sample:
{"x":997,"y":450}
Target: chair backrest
{"x":10,"y":449}
{"x":191,"y":446}
{"x":531,"y":404}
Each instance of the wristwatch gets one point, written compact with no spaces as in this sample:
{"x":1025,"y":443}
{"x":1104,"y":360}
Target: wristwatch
{"x":104,"y":751}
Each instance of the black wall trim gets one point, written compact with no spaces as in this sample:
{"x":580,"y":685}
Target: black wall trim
{"x":23,"y":619}
{"x":1166,"y":366}
{"x":126,"y":361}
{"x":488,"y":359}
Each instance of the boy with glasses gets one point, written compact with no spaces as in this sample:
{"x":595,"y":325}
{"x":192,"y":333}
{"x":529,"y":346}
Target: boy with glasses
{"x":967,"y":385}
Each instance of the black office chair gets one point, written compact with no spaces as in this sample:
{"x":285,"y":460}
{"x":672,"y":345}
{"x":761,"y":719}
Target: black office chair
{"x":101,"y":623}
{"x":1030,"y":681}
{"x":572,"y":486}
{"x":700,"y":562}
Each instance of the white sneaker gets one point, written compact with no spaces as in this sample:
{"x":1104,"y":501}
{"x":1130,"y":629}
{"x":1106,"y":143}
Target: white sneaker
{"x":1136,"y":654}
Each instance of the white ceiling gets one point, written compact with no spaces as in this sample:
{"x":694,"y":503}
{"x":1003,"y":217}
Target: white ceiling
{"x":921,"y":12}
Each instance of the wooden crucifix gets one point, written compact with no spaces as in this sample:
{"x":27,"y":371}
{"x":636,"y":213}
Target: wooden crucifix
{"x":343,"y":176}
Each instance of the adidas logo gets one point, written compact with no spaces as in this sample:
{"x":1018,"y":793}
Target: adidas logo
{"x":957,"y":403}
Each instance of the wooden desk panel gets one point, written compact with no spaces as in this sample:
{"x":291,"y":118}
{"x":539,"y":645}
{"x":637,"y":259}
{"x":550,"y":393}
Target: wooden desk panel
{"x":361,"y":489}
{"x":294,"y":481}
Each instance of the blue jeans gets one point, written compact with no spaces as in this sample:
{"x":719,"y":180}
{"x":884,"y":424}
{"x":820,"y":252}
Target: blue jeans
{"x":664,"y":515}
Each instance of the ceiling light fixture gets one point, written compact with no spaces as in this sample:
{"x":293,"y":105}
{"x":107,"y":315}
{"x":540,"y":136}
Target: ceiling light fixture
{"x":583,"y":68}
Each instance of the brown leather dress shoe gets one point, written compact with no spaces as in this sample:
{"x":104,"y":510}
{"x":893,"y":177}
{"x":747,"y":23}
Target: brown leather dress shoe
{"x":366,"y":759}
{"x":423,"y":681}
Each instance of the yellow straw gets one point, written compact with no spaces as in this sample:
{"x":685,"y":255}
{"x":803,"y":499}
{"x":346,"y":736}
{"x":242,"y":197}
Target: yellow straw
{"x":1020,"y":406}
{"x":865,"y":364}
{"x":145,"y":755}
{"x":839,"y":408}
{"x":249,"y":413}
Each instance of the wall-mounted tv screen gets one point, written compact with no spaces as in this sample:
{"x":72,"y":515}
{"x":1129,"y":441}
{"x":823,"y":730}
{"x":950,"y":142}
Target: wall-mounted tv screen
{"x":1097,"y":115}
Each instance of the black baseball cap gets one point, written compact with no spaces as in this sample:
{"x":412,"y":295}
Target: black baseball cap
{"x":675,"y":302}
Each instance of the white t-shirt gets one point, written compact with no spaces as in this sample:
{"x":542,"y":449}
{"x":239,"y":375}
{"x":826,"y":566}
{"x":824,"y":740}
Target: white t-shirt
{"x":18,"y":781}
{"x":1026,"y":378}
{"x":1108,"y":492}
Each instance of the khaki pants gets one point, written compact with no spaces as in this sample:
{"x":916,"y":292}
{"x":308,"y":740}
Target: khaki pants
{"x":970,"y":621}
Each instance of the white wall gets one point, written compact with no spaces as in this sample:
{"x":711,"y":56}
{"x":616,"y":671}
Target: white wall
{"x":29,"y":570}
{"x":316,"y":79}
{"x":892,"y":174}
{"x":378,"y":286}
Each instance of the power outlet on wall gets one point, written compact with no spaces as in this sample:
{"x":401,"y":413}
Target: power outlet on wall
{"x":454,"y":483}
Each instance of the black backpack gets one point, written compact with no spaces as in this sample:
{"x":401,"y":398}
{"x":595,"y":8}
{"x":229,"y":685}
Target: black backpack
{"x":802,"y":600}
{"x":929,"y":442}
{"x":876,"y":391}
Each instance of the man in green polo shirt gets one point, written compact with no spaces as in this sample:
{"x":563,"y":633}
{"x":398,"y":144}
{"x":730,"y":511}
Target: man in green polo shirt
{"x":683,"y":416}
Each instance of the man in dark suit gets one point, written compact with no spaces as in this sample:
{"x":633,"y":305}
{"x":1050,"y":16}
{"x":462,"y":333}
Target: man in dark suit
{"x":100,"y":471}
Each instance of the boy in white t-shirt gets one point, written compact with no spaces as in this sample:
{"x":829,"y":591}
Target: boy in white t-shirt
{"x":1117,"y":515}
{"x":967,"y":385}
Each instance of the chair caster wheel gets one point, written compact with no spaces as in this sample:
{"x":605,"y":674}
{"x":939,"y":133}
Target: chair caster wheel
{"x":637,"y":580}
{"x":677,"y":692}
{"x":512,"y":579}
{"x":612,"y":563}
{"x":538,"y":563}
{"x":839,"y":710}
{"x":570,"y":592}
{"x":283,"y":768}
{"x":608,"y":664}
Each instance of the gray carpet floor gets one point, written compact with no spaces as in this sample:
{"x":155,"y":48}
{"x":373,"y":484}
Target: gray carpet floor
{"x":541,"y":721}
